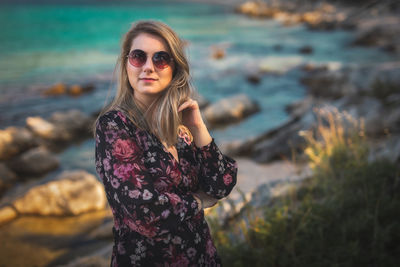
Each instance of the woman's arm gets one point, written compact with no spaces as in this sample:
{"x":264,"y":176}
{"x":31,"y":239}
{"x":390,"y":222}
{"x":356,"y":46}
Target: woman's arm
{"x":130,"y":185}
{"x":217,"y":172}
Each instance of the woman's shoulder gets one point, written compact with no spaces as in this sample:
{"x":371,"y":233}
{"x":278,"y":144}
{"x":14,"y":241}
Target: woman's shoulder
{"x":116,"y":117}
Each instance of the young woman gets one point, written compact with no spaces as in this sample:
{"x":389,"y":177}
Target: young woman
{"x":159,"y":165}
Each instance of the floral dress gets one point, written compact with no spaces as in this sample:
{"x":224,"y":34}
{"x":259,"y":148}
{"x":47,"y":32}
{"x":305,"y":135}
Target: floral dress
{"x":156,"y":218}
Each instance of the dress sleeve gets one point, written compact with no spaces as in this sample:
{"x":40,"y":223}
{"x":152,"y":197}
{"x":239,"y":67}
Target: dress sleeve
{"x":217,"y":172}
{"x":130,"y":186}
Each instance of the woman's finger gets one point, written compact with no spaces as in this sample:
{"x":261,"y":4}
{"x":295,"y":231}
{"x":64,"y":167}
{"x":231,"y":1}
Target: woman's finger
{"x":186,"y":104}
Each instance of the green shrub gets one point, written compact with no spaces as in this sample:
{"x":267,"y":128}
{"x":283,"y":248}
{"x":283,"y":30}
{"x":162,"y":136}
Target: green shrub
{"x":346,"y":214}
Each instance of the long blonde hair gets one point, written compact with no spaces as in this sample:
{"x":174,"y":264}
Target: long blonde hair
{"x":161,"y":117}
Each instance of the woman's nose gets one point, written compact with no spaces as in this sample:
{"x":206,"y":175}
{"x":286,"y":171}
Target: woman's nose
{"x":148,"y":65}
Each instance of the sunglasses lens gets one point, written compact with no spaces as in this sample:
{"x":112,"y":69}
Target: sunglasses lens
{"x":161,"y":59}
{"x":137,"y":58}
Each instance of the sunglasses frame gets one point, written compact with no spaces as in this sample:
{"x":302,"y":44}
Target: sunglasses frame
{"x":152,"y":58}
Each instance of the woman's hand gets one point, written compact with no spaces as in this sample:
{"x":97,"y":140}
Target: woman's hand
{"x":206,"y":200}
{"x":191,"y":118}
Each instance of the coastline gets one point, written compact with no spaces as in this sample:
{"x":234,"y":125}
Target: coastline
{"x":302,"y":111}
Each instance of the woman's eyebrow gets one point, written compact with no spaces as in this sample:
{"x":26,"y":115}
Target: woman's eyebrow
{"x":146,"y":52}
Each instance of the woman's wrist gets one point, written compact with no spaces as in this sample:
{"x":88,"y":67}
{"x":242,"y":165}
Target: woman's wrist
{"x":201,"y":136}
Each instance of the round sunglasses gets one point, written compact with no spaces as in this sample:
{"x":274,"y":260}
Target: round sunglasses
{"x":138,"y":58}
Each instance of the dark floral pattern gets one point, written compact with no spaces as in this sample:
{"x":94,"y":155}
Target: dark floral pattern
{"x":156,"y":218}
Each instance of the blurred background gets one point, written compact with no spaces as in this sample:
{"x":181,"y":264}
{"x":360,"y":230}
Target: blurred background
{"x":277,"y":66}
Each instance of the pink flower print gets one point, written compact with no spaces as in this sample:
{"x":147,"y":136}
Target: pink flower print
{"x":227,"y":179}
{"x":134,"y":194}
{"x":122,"y":116}
{"x":141,"y":228}
{"x":210,"y":248}
{"x":191,"y":252}
{"x":173,"y":198}
{"x":160,"y":185}
{"x":187,"y":140}
{"x":184,"y":164}
{"x":175,"y":175}
{"x":114,"y":183}
{"x":110,"y":136}
{"x":106,"y":164}
{"x":179,"y":261}
{"x":146,"y":229}
{"x":147,"y":195}
{"x":185,"y":134}
{"x":177,"y":240}
{"x":125,"y":150}
{"x":121,"y":249}
{"x":137,"y":179}
{"x":165,"y":214}
{"x":123,"y":171}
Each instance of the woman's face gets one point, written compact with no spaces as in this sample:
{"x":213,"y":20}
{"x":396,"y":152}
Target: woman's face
{"x":147,"y":90}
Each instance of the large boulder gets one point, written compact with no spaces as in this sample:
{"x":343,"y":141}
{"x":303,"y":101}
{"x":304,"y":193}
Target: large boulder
{"x":61,"y":126}
{"x":42,"y":128}
{"x":380,"y":81}
{"x":14,"y":140}
{"x":72,"y":193}
{"x":230,"y":110}
{"x":33,"y":162}
{"x":73,"y":121}
{"x":100,"y":258}
{"x":389,"y":148}
{"x":384,"y":34}
{"x":256,"y":9}
{"x":275,"y":144}
{"x":7,"y":178}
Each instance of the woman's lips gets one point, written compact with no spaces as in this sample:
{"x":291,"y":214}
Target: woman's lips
{"x":148,"y":80}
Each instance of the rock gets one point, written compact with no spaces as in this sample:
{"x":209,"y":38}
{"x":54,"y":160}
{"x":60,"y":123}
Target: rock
{"x":280,"y":145}
{"x":72,"y":122}
{"x":256,"y":181}
{"x":384,"y":36}
{"x":7,"y":214}
{"x":307,"y":49}
{"x":326,"y":83}
{"x":253,"y":78}
{"x":393,"y":99}
{"x":388,"y":148}
{"x":73,"y":90}
{"x":276,"y":143}
{"x":72,"y":193}
{"x":77,"y":90}
{"x":14,"y":140}
{"x":41,"y":127}
{"x":104,"y":231}
{"x":230,"y":110}
{"x":57,"y":89}
{"x":277,"y":47}
{"x":61,"y":126}
{"x":280,"y":65}
{"x":256,"y":9}
{"x":300,"y":107}
{"x":7,"y":178}
{"x":35,"y":161}
{"x":308,"y":67}
{"x":392,"y":120}
{"x":218,"y":53}
{"x":100,"y":258}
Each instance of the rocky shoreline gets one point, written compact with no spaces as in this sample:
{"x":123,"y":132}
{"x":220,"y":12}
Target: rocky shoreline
{"x":368,"y":93}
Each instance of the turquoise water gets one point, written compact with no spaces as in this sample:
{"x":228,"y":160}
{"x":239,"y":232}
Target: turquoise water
{"x":78,"y":43}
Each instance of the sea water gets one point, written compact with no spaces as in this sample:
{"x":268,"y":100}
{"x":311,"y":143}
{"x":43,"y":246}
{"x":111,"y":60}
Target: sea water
{"x":43,"y":43}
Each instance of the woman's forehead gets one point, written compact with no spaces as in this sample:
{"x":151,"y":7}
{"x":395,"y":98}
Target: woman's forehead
{"x":148,"y":43}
